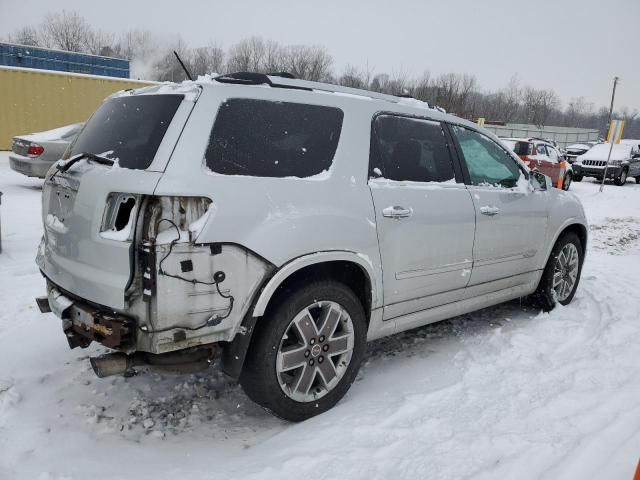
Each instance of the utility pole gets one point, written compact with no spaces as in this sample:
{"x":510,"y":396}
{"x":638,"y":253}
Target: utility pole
{"x":613,"y":96}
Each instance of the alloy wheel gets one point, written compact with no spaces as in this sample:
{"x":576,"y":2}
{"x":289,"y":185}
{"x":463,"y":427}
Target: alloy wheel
{"x":315,"y":351}
{"x":565,"y":271}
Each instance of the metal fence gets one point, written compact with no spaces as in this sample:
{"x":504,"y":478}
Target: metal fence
{"x":13,"y":55}
{"x":563,"y":135}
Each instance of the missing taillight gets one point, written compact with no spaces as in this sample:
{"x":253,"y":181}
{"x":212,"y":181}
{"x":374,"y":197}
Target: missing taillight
{"x":124,"y":213}
{"x":119,"y":216}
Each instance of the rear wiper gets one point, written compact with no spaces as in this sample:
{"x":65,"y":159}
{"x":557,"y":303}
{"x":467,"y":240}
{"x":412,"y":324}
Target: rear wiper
{"x":89,"y":156}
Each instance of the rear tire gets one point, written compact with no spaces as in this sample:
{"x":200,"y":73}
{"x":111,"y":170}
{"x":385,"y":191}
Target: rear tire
{"x":637,"y":179}
{"x":561,"y":274}
{"x":298,"y":364}
{"x":621,"y":179}
{"x":577,"y":178}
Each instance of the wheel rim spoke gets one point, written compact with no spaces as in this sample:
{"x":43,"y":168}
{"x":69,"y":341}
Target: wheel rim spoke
{"x":305,"y":379}
{"x":557,"y":279}
{"x":338,"y":345}
{"x":327,"y":371}
{"x":290,"y":359}
{"x":331,"y":321}
{"x":306,"y":327}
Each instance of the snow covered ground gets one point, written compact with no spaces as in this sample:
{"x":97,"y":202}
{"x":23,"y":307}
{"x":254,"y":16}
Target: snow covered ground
{"x":502,"y":393}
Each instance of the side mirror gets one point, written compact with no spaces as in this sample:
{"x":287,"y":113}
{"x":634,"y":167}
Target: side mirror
{"x":539,"y":181}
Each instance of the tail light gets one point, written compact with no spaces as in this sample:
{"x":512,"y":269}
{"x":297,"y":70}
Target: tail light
{"x":35,"y":150}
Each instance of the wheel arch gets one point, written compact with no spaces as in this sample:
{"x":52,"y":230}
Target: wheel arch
{"x":353,"y":269}
{"x":575,"y":226}
{"x":346,"y":266}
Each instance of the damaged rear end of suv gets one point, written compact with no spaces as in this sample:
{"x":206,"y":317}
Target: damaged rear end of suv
{"x":124,"y":264}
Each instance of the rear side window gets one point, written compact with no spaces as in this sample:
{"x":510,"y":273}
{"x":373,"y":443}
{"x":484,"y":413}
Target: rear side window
{"x":410,"y":149}
{"x":523,"y":148}
{"x":129,"y":129}
{"x":273,"y":139}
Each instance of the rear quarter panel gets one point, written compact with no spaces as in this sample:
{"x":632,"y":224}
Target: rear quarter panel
{"x":282,"y":219}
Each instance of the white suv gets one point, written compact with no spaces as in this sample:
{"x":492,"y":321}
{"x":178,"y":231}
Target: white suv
{"x":276,"y":225}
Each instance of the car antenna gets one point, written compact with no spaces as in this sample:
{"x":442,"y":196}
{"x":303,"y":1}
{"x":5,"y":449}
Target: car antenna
{"x":186,"y":70}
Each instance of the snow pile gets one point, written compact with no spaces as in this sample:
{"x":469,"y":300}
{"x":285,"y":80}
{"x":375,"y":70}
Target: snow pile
{"x":507,"y":392}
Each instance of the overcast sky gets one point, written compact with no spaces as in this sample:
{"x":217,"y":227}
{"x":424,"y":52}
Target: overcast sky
{"x":572,"y":46}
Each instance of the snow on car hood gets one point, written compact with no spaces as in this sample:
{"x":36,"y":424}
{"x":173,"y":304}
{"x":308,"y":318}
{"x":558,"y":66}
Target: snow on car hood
{"x":578,"y":146}
{"x":601,"y":151}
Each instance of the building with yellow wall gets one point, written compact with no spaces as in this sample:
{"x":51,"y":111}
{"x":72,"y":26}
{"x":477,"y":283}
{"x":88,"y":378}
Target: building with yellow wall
{"x":36,"y":100}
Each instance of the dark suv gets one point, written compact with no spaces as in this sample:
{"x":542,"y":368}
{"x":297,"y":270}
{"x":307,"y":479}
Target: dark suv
{"x":624,"y":162}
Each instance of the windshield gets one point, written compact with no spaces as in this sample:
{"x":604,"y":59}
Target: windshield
{"x":128,"y":129}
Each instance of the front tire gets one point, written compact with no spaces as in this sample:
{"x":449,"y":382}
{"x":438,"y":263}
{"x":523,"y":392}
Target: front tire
{"x":566,"y":183}
{"x":561,"y":275}
{"x":578,"y":178}
{"x":307,"y":351}
{"x":637,"y":179}
{"x":622,"y":179}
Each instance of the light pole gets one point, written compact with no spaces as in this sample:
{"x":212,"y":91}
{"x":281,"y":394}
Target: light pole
{"x":613,"y":96}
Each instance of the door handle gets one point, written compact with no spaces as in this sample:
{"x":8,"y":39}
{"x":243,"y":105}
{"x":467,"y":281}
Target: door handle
{"x":397,"y":212}
{"x":489,"y":210}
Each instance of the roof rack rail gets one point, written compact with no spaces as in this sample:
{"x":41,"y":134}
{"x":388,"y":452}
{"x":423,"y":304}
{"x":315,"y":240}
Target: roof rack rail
{"x":286,"y":80}
{"x":282,"y":74}
{"x":244,"y":78}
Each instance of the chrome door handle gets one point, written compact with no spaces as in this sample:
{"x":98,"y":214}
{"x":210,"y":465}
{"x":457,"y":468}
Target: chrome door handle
{"x":397,"y":212}
{"x":489,"y":210}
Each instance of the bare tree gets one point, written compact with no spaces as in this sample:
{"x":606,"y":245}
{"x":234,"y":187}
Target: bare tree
{"x":206,"y":60}
{"x":309,"y":63}
{"x":66,"y":31}
{"x":422,"y":88}
{"x":26,"y":36}
{"x":247,"y":55}
{"x":274,"y":57}
{"x":100,"y":43}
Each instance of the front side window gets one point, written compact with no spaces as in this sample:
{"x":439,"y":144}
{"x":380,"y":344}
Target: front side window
{"x":273,"y":139}
{"x":553,"y":153}
{"x":128,"y":128}
{"x":541,"y":150}
{"x":487,"y":162}
{"x":410,"y":149}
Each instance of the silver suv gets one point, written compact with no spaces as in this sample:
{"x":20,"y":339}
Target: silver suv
{"x":274,"y":226}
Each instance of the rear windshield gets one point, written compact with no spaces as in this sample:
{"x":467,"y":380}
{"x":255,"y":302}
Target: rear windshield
{"x":128,"y":129}
{"x":273,"y":139}
{"x":517,"y":147}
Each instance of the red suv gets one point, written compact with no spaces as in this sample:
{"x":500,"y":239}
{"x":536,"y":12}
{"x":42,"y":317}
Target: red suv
{"x":541,"y":155}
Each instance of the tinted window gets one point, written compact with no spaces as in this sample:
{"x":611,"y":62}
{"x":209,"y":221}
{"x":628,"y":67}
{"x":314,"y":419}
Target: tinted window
{"x":410,"y":149}
{"x":129,"y":129}
{"x":273,"y":139}
{"x":523,"y":148}
{"x":488,"y":163}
